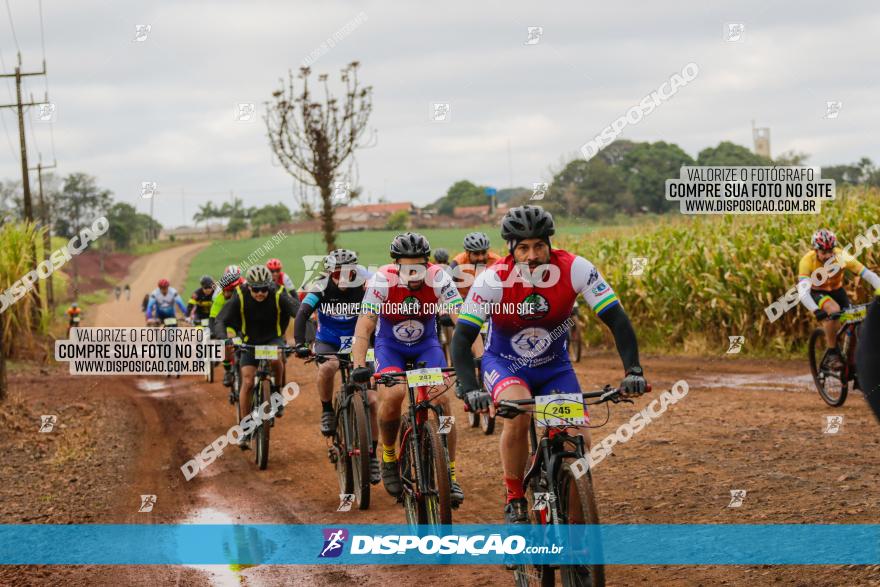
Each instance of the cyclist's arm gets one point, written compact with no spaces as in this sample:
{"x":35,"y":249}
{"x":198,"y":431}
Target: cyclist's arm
{"x":229,"y":317}
{"x":151,"y":307}
{"x":487,"y":289}
{"x":450,"y":304}
{"x":179,"y":301}
{"x":190,"y":305}
{"x":586,"y":280}
{"x":290,"y":304}
{"x":287,"y":282}
{"x":871,"y":277}
{"x":371,"y":305}
{"x":308,"y":306}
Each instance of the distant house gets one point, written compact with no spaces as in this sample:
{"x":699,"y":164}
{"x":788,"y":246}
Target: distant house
{"x":369,"y":216}
{"x":191,"y":232}
{"x":471,"y":211}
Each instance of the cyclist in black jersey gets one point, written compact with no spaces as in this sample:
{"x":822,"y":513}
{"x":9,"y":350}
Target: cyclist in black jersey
{"x":260,"y":312}
{"x":199,"y":305}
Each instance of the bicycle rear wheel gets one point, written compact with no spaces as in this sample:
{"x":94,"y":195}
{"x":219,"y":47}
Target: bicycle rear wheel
{"x":577,"y":505}
{"x":360,"y":450}
{"x":437,"y":501}
{"x":261,"y":394}
{"x":830,"y":384}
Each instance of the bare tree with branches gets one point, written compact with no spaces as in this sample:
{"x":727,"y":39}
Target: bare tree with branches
{"x":313,"y":137}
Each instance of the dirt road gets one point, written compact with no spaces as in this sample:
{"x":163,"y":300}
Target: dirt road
{"x":752,"y":425}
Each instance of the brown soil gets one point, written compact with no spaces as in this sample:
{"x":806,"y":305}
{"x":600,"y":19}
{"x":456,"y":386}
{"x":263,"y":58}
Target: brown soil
{"x":746,"y":424}
{"x":91,"y":278}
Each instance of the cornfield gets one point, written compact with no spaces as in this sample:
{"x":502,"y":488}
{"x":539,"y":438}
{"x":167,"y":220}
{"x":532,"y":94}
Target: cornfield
{"x":20,"y":320}
{"x":708,"y":278}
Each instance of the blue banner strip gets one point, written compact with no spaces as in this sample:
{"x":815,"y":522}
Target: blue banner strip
{"x":639,"y":544}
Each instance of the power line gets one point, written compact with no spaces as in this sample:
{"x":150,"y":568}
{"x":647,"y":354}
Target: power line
{"x":12,"y":26}
{"x":42,"y":36}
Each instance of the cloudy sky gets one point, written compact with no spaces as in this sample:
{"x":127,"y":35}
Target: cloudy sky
{"x":163,"y":109}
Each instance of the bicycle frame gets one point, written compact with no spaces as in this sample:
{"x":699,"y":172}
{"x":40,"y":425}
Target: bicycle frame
{"x":550,"y":449}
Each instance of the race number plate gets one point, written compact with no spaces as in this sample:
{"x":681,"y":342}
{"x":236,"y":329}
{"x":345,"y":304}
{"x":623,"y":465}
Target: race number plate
{"x":170,"y":321}
{"x":424,"y":377}
{"x":236,"y":340}
{"x":560,"y":409}
{"x":204,"y":321}
{"x":75,"y":320}
{"x":484,"y":328}
{"x":371,"y":355}
{"x":265,"y":352}
{"x":345,"y":344}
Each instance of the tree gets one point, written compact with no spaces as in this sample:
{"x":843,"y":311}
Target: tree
{"x":791,"y":158}
{"x":614,"y":153}
{"x":593,"y":189}
{"x":235,"y":225}
{"x":205,"y":213}
{"x":79,"y":203}
{"x":314,"y":137}
{"x":727,"y":153}
{"x":647,"y":167}
{"x":123,"y":219}
{"x":398,"y":221}
{"x":271,"y":215}
{"x":861,"y":172}
{"x":461,"y":193}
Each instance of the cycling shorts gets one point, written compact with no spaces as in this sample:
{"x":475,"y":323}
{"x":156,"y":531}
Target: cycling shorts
{"x":838,"y":295}
{"x":500,"y":373}
{"x":162,"y":312}
{"x":391,"y":356}
{"x":247,"y":358}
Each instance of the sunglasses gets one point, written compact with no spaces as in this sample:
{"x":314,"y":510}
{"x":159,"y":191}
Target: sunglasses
{"x":260,"y":288}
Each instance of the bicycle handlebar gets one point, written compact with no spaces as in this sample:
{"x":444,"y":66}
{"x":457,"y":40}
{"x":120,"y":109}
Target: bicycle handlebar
{"x":391,"y":377}
{"x":510,"y":408}
{"x":324,"y":357}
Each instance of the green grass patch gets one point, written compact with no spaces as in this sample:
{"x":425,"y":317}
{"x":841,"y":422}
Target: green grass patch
{"x":371,"y":245}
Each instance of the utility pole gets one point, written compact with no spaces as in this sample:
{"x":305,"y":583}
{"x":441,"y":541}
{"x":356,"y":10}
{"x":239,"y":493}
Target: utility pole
{"x":47,"y":228}
{"x":25,"y":181}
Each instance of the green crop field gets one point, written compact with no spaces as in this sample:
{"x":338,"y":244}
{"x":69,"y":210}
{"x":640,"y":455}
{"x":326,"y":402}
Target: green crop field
{"x":372,"y":246}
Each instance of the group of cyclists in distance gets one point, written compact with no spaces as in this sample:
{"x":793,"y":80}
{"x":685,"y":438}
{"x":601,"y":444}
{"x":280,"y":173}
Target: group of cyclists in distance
{"x":397,"y":311}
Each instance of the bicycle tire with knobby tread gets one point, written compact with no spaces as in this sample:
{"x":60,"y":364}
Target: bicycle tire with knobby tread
{"x":815,"y":361}
{"x":261,"y":393}
{"x":433,"y":453}
{"x":360,"y":460}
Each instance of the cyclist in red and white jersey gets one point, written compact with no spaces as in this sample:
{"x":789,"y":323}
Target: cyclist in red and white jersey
{"x":527,"y":297}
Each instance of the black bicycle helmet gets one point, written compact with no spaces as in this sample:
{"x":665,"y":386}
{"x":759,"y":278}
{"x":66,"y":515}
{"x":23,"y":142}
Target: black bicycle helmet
{"x":206,"y":281}
{"x":259,"y":276}
{"x":525,"y":222}
{"x":338,"y":258}
{"x":410,"y":245}
{"x":441,"y":256}
{"x":476,"y":241}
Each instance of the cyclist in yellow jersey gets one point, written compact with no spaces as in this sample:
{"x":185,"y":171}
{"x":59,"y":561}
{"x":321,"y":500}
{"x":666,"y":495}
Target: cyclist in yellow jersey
{"x":828,"y":297}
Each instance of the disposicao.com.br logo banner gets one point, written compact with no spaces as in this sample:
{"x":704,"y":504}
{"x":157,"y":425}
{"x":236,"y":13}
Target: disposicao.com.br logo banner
{"x":664,"y":544}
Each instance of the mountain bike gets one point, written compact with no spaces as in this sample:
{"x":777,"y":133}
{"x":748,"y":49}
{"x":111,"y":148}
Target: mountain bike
{"x":170,"y":322}
{"x":73,"y":323}
{"x":575,"y":336}
{"x":353,"y":440}
{"x":564,"y":497}
{"x":424,"y":455}
{"x":209,"y":365}
{"x":264,"y":385}
{"x":444,"y":334}
{"x":484,"y":421}
{"x":832,"y":384}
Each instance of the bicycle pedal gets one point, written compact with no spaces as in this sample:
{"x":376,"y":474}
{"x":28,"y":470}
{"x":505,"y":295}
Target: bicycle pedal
{"x":333,"y":454}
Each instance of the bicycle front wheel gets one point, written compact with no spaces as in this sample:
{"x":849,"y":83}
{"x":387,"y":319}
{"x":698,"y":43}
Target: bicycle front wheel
{"x":437,"y":499}
{"x":342,"y":450}
{"x":407,"y":467}
{"x":577,"y":505}
{"x":830,"y":384}
{"x":261,"y":394}
{"x":360,"y":450}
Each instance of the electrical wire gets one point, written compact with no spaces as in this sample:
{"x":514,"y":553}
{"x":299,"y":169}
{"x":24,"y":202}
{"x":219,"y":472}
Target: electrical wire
{"x":12,"y":26}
